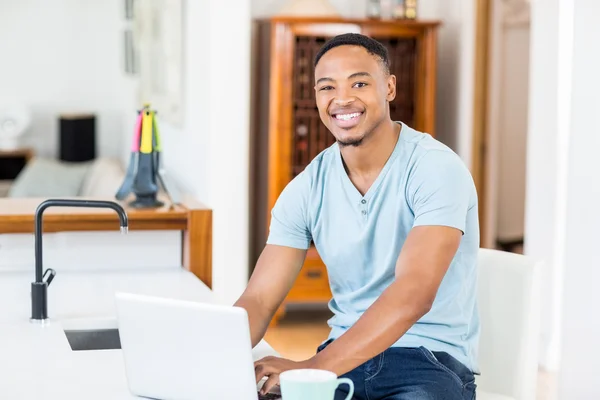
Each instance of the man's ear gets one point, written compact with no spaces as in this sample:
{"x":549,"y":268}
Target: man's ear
{"x":391,"y":88}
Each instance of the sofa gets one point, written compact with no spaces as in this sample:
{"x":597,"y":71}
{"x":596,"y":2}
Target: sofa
{"x":47,"y":177}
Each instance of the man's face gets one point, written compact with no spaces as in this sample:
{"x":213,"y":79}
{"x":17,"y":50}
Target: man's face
{"x":352,"y":93}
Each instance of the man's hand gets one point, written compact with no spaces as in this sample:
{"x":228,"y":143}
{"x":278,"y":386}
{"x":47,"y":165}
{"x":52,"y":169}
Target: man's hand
{"x":271,"y":367}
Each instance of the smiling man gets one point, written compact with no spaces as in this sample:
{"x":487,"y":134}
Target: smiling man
{"x":393,"y":214}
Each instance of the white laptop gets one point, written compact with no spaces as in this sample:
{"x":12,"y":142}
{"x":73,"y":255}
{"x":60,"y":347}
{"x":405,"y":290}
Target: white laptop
{"x":179,"y":350}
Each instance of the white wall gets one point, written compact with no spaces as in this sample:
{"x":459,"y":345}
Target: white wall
{"x":580,"y":350}
{"x":64,"y":56}
{"x":186,"y":150}
{"x":209,"y":157}
{"x":229,"y":144}
{"x":563,"y":192}
{"x":544,"y":223}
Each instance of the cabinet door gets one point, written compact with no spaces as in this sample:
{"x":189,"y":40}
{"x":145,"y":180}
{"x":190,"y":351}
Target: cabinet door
{"x":312,"y":284}
{"x":412,"y":60}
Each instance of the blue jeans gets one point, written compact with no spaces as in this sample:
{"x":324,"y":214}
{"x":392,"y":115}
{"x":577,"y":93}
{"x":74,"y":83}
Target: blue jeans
{"x":409,"y":374}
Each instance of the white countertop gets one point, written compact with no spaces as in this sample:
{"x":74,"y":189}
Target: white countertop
{"x":36,"y":362}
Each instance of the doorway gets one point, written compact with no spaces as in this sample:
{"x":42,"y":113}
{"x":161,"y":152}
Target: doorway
{"x":501,"y":120}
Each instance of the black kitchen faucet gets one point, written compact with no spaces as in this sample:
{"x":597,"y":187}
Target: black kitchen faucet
{"x":39,"y":288}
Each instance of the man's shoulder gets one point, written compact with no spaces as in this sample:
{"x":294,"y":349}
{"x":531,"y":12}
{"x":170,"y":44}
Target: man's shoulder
{"x":314,"y":173}
{"x":436,"y":169}
{"x":428,"y":153}
{"x":424,"y":144}
{"x":320,"y":165}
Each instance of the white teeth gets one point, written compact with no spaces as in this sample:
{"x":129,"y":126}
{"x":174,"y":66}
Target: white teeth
{"x":346,"y":117}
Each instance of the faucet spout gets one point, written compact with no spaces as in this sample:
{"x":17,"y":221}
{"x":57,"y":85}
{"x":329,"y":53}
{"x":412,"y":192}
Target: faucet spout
{"x":39,"y":288}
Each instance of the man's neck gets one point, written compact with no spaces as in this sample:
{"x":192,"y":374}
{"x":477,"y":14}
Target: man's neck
{"x":370,"y":157}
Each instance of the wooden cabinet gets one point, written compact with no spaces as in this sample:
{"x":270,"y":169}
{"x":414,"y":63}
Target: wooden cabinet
{"x":287,"y":131}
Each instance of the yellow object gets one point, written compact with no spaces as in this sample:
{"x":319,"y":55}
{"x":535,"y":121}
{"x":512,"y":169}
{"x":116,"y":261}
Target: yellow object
{"x":157,"y":134}
{"x":147,"y":123}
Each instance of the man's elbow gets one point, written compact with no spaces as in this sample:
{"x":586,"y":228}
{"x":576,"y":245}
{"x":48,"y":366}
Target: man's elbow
{"x":414,"y":308}
{"x":422,"y":305}
{"x":416,"y":299}
{"x":427,"y":305}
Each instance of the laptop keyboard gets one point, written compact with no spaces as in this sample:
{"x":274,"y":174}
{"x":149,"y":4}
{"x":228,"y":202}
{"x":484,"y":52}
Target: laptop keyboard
{"x":269,"y":396}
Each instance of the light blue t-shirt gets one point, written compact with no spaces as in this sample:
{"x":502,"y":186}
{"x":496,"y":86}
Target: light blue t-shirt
{"x":360,"y":237}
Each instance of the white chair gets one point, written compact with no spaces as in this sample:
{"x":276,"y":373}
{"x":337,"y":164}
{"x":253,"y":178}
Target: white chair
{"x":509,"y":296}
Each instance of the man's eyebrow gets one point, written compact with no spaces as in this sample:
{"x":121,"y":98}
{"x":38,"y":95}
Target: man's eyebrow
{"x":325,"y":79}
{"x":354,"y":75}
{"x":357,"y":74}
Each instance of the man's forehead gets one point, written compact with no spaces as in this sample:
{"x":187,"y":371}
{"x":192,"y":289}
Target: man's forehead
{"x":347,"y":53}
{"x":346,"y":60}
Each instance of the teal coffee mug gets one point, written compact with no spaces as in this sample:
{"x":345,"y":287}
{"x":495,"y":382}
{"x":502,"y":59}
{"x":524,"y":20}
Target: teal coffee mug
{"x":311,"y":384}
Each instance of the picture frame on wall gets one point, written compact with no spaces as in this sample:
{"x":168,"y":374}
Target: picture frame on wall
{"x":129,"y":55}
{"x":128,"y":9}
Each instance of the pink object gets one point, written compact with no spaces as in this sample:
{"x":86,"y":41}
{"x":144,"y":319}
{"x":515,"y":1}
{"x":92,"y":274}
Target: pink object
{"x":135,"y":146}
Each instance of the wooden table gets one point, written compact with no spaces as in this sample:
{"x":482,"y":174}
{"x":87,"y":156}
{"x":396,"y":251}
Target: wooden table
{"x":191,"y":217}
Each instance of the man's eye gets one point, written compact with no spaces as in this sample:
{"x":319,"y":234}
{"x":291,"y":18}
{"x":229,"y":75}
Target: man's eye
{"x":326,"y":88}
{"x":360,"y":84}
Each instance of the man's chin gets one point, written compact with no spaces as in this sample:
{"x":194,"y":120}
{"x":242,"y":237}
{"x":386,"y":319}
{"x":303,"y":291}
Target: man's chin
{"x":348,"y":137}
{"x":350,"y":142}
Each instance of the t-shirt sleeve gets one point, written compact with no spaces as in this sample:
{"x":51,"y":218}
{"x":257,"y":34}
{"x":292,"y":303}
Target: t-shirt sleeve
{"x":441,"y":190}
{"x":289,"y":225}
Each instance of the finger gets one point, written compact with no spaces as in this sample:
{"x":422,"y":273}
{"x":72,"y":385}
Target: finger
{"x":262,"y":361}
{"x":261,"y":371}
{"x":270,"y":384}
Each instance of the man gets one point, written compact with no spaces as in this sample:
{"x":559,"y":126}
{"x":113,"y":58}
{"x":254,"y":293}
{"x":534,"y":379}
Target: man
{"x":393,"y":214}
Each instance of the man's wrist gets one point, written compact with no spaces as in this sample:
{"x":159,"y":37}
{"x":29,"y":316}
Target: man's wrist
{"x":323,"y":361}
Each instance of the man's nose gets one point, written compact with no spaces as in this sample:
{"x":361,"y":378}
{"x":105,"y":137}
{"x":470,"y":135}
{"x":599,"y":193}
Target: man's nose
{"x":343,"y":97}
{"x":343,"y":101}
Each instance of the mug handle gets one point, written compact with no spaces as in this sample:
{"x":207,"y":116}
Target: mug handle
{"x":348,"y":382}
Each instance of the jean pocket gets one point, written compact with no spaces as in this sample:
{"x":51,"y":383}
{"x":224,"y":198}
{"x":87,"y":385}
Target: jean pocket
{"x":434,"y":360}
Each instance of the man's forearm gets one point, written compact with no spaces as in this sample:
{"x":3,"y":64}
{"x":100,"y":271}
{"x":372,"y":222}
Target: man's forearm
{"x":420,"y":269}
{"x":398,"y":308}
{"x":258,"y":317}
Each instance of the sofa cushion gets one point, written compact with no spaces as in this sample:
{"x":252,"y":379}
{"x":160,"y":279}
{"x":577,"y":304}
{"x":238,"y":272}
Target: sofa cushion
{"x":45,"y":177}
{"x":103,"y":178}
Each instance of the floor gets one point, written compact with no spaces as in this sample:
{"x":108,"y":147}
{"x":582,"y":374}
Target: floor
{"x":299,"y":333}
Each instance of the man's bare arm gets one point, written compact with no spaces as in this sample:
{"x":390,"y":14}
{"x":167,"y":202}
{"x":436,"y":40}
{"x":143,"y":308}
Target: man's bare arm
{"x":420,"y":268}
{"x":275,"y":273}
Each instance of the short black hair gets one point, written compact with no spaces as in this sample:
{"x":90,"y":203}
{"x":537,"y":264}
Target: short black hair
{"x":355,"y":39}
